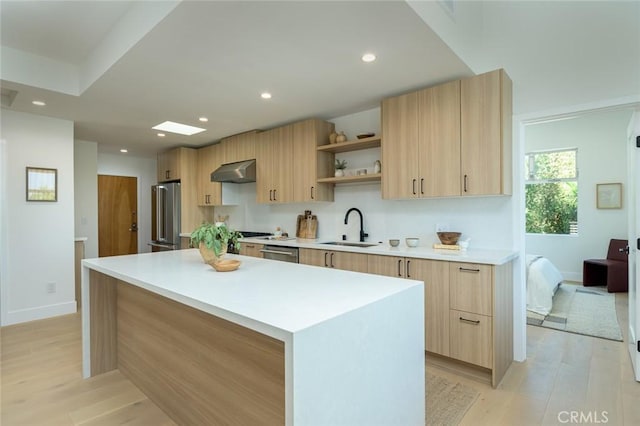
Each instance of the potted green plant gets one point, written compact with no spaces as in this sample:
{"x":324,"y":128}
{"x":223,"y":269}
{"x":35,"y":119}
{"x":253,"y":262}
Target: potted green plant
{"x":340,"y":166}
{"x":212,"y":240}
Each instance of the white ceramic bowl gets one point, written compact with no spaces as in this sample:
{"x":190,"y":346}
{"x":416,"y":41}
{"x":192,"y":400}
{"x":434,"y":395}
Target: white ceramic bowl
{"x":412,"y":242}
{"x":394,"y":243}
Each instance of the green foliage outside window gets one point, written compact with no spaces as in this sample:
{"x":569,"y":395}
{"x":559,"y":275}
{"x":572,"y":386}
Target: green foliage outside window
{"x":551,"y":192}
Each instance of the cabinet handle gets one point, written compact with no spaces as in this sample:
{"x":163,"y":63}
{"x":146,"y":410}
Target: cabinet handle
{"x":167,"y":174}
{"x":274,"y":195}
{"x":469,"y":270}
{"x":331,"y":258}
{"x":408,"y":270}
{"x":422,"y":186}
{"x":249,"y":246}
{"x":465,"y":182}
{"x":399,"y":266}
{"x":468,"y":321}
{"x":413,"y":186}
{"x":312,"y":197}
{"x":271,"y":195}
{"x":325,"y":259}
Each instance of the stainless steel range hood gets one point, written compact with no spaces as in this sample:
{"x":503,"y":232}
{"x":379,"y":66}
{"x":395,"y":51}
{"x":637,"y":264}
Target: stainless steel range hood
{"x":240,"y":172}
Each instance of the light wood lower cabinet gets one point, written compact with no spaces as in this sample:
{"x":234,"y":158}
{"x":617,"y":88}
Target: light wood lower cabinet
{"x":345,"y":261}
{"x":468,"y":308}
{"x":251,"y":249}
{"x":435,"y":275}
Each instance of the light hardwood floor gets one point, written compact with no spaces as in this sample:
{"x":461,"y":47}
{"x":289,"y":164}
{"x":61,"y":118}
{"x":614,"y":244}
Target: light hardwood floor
{"x":42,"y":383}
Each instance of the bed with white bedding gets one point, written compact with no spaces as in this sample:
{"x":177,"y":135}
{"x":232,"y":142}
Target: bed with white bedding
{"x":543,"y":279}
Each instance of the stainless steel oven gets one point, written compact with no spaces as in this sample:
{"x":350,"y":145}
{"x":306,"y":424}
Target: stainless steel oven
{"x":284,"y":254}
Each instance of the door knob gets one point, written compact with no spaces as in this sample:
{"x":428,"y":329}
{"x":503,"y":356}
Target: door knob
{"x":134,"y":227}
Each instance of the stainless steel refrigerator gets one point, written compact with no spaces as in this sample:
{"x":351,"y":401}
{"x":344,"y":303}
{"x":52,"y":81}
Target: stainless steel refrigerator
{"x":165,"y":216}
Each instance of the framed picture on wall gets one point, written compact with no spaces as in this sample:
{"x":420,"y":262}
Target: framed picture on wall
{"x":609,"y":195}
{"x":42,"y":184}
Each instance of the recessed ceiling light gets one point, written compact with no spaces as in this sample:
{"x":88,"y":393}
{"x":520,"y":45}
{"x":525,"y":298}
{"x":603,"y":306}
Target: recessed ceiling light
{"x":368,"y":57}
{"x":265,"y":95}
{"x":124,"y":150}
{"x":39,"y":103}
{"x":203,"y":119}
{"x":161,"y":135}
{"x":181,"y":129}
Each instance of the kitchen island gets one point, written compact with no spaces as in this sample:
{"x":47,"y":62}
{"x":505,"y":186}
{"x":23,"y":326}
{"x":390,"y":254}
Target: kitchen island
{"x":270,"y":343}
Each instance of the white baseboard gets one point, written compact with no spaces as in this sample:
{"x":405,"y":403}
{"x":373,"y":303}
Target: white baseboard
{"x":40,"y":312}
{"x":572,"y":276}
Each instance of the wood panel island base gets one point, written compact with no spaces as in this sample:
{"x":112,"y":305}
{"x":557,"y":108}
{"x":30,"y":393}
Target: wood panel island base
{"x":271,"y":343}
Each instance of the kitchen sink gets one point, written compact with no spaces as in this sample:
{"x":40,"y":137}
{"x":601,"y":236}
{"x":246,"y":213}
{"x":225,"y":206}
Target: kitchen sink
{"x":350,"y":244}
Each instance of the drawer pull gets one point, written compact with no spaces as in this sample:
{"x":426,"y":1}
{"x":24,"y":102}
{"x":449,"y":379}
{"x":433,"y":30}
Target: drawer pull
{"x":468,"y":321}
{"x":468,"y":270}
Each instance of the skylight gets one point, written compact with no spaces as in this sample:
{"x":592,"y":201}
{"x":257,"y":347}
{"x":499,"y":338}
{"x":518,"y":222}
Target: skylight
{"x":181,"y":129}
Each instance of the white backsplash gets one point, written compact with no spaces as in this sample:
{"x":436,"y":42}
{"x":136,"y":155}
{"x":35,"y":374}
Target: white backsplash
{"x":481,"y":219}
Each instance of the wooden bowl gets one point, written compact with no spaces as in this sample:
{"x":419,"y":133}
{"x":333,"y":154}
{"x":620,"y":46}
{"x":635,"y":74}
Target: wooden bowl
{"x":225,"y":265}
{"x":449,"y":238}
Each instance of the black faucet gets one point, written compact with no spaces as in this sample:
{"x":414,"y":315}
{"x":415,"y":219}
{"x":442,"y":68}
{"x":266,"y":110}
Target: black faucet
{"x":346,"y":219}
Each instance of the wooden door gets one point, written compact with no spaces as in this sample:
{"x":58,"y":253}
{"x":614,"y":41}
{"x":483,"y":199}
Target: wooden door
{"x":117,"y":215}
{"x":439,"y":135}
{"x":400,"y":147}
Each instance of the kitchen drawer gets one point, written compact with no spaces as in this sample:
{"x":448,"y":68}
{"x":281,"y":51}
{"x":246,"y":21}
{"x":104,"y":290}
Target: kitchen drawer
{"x":471,"y":288}
{"x":470,"y":338}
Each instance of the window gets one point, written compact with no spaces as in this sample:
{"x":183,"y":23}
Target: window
{"x":551,"y":192}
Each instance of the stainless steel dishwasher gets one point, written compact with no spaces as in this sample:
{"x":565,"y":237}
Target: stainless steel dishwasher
{"x":284,"y":254}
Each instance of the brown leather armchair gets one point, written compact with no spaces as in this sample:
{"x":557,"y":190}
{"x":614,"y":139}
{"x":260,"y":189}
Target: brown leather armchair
{"x":612,"y":271}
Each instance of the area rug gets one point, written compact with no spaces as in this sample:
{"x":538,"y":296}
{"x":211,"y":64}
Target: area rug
{"x":447,"y":402}
{"x":581,"y":310}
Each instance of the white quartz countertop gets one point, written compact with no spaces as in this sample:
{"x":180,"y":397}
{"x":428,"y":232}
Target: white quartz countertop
{"x":269,"y":296}
{"x":472,"y":255}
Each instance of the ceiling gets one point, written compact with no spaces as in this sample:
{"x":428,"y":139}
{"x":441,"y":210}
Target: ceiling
{"x":117,"y":68}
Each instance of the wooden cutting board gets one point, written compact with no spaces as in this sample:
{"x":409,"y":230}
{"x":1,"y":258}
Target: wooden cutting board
{"x":307,"y":225}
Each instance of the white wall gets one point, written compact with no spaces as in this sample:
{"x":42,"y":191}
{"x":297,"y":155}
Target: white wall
{"x":601,"y":141}
{"x":486,"y":220}
{"x":37,"y":237}
{"x":85,"y":156}
{"x":144,"y":169}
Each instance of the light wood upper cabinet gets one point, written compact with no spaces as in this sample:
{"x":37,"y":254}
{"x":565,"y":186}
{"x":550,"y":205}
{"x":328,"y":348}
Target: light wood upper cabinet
{"x":400,"y":147}
{"x":439,"y":136}
{"x":421,"y":143}
{"x":449,"y":140}
{"x":486,"y":110}
{"x":287,"y":163}
{"x":308,"y":163}
{"x":209,"y":159}
{"x":274,"y":161}
{"x":170,"y":164}
{"x":182,"y":164}
{"x":239,"y":147}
